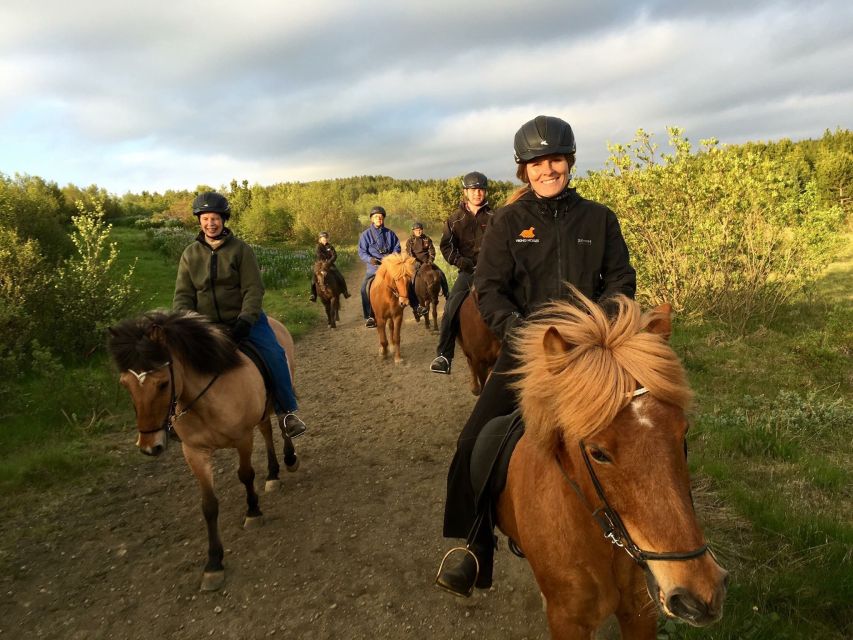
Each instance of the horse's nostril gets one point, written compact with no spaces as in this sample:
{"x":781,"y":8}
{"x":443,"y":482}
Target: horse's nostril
{"x":683,"y":605}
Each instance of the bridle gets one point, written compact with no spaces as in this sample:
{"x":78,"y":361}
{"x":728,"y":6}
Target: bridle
{"x":172,"y":414}
{"x":611,"y":523}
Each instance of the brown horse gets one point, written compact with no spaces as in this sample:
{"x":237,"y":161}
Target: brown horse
{"x":604,"y":449}
{"x":330,"y":286}
{"x":427,"y":288}
{"x":389,"y":296}
{"x":183,"y":370}
{"x":480,"y":346}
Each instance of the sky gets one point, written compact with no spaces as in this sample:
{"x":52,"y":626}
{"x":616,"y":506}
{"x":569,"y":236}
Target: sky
{"x":156,"y":95}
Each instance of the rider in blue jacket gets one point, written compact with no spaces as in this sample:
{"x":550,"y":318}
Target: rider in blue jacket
{"x":375,"y":242}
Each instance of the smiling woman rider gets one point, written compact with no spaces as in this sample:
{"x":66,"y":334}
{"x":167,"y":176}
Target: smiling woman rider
{"x":545,"y":237}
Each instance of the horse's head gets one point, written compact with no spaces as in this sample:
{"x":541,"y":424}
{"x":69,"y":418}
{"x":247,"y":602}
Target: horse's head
{"x":610,"y":397}
{"x":154,"y":353}
{"x":151,"y":393}
{"x":397,"y":271}
{"x":321,"y":271}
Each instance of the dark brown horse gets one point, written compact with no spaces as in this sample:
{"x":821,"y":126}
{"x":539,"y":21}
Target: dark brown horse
{"x":427,"y":288}
{"x":389,"y":296}
{"x":480,"y":346}
{"x":603,"y":461}
{"x":183,"y":370}
{"x":330,"y":286}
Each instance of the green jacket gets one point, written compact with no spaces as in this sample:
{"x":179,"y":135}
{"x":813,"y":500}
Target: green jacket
{"x":223,"y":284}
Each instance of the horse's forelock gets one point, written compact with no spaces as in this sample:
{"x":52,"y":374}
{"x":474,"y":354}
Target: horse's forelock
{"x":593,"y":377}
{"x":130,"y":347}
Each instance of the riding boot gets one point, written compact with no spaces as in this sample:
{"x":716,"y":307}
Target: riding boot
{"x":461,"y":579}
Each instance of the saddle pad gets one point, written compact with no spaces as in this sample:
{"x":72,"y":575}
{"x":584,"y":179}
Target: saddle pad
{"x":491,"y":454}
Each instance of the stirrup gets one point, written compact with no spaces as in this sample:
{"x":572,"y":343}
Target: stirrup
{"x":466,"y":550}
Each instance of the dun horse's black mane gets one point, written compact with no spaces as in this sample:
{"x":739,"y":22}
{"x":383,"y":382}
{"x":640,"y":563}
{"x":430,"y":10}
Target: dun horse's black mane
{"x":148,"y":341}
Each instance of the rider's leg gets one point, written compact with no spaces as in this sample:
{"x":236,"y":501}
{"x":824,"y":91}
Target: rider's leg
{"x":263,"y":339}
{"x":497,"y":399}
{"x":450,"y":324}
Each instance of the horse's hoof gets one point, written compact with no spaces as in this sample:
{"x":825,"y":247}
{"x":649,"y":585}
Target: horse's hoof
{"x":272,"y":485}
{"x":212,"y":580}
{"x":292,"y":467}
{"x":253,"y":523}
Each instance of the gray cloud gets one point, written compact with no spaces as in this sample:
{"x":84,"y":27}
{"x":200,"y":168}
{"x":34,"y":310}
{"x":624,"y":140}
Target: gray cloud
{"x":138,"y":97}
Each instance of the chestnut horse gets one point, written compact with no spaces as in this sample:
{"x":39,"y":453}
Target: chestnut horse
{"x":183,"y":370}
{"x":427,"y":288}
{"x":329,"y":289}
{"x":389,"y":296}
{"x":604,"y":405}
{"x":480,"y":346}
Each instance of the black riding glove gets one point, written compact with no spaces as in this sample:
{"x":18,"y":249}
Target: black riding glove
{"x":465,"y":264}
{"x":375,"y":261}
{"x":241,"y":330}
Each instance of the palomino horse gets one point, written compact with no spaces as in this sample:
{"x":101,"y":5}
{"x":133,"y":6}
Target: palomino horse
{"x":604,"y":405}
{"x":389,"y":296}
{"x":329,"y":289}
{"x":480,"y":346}
{"x":183,"y":370}
{"x":427,"y":288}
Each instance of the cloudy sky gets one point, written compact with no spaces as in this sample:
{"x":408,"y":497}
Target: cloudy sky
{"x":155,"y":95}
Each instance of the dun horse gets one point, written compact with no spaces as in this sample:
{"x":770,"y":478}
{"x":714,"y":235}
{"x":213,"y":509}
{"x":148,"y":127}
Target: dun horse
{"x":183,"y":370}
{"x":480,"y":346}
{"x":427,"y":288}
{"x":389,"y":296}
{"x":329,"y":290}
{"x":604,"y":449}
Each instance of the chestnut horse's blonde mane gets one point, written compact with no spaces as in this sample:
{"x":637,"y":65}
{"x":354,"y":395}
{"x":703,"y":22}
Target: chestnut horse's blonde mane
{"x":577,"y":388}
{"x":396,"y":266}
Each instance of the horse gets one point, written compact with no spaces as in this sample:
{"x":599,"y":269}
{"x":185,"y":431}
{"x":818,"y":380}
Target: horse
{"x":480,"y":346}
{"x":183,"y":371}
{"x":427,"y":288}
{"x":389,"y":296}
{"x":329,"y":289}
{"x":603,"y":403}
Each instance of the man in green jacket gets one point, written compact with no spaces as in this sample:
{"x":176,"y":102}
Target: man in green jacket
{"x":219,"y":277}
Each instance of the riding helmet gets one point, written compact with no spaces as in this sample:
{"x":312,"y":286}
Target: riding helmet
{"x":324,"y":234}
{"x":475,"y":180}
{"x":211,"y":202}
{"x":377,"y":209}
{"x":417,"y":225}
{"x":543,"y":136}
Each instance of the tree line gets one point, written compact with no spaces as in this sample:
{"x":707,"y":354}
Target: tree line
{"x":729,"y":232}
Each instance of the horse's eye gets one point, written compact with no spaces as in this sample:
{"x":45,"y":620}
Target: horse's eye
{"x":162,"y":385}
{"x":599,"y":456}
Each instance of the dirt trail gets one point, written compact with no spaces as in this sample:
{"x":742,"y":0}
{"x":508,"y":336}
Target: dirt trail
{"x":349,"y":548}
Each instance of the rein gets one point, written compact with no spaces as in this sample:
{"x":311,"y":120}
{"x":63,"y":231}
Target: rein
{"x":611,"y":523}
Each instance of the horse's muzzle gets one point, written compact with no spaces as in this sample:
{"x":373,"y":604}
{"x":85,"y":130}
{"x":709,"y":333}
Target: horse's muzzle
{"x":152,"y":444}
{"x":682,"y":604}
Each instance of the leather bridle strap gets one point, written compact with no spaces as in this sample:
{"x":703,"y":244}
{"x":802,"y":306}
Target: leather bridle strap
{"x":172,"y":413}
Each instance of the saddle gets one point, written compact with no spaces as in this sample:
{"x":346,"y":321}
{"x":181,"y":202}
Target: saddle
{"x":257,"y":359}
{"x":490,"y":456}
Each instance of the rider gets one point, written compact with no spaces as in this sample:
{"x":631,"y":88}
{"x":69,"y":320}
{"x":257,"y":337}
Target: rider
{"x":218,"y":277}
{"x":460,"y":246}
{"x":546,"y":235}
{"x":375,"y":242}
{"x":421,"y":247}
{"x":326,"y":253}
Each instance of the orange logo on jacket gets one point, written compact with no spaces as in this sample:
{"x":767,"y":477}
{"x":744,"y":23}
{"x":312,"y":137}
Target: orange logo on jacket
{"x":527,"y":233}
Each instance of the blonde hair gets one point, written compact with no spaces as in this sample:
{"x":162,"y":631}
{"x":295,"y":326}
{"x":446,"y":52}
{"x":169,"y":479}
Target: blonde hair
{"x":574,"y":385}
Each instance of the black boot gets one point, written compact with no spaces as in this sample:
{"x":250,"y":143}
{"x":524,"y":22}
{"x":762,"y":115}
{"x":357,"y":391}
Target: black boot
{"x":461,"y":579}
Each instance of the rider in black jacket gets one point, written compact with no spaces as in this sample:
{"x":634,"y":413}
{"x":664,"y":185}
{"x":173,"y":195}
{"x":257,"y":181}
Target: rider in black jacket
{"x":545,"y":236}
{"x":326,"y":252}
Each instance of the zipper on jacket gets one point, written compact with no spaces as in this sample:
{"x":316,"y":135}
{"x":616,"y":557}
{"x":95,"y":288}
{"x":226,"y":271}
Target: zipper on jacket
{"x":559,"y":251}
{"x":214,"y":269}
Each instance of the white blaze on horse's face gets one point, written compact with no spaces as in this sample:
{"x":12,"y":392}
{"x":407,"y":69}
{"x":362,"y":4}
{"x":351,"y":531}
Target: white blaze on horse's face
{"x":641,"y":412}
{"x":150,"y":392}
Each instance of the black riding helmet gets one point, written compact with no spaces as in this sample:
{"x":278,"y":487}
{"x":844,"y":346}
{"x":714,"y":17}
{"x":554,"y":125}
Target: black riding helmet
{"x":377,"y":209}
{"x":475,"y":180}
{"x":211,"y":202}
{"x":543,"y":136}
{"x":417,"y":225}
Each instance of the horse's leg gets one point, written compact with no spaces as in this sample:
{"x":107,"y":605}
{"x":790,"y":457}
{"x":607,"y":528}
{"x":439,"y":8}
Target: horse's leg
{"x":476,"y":380}
{"x":396,"y":324}
{"x":565,"y":621}
{"x":291,"y":461}
{"x":272,"y":483}
{"x":383,"y":338}
{"x":333,"y":311}
{"x":200,"y":464}
{"x":636,"y":613}
{"x":246,"y":473}
{"x":435,"y":313}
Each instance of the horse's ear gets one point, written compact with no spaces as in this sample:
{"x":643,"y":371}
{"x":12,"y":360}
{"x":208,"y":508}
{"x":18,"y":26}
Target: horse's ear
{"x":555,"y":347}
{"x":661,"y":323}
{"x":156,"y":334}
